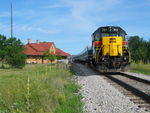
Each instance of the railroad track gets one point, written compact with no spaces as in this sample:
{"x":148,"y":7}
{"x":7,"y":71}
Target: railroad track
{"x":137,"y":89}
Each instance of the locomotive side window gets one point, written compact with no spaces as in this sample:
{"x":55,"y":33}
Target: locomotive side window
{"x":123,"y":36}
{"x":97,"y":36}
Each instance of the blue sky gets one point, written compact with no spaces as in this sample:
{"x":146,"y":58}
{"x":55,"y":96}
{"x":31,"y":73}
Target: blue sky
{"x":70,"y":23}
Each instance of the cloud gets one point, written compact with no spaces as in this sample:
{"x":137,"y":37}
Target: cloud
{"x":35,"y":29}
{"x":4,"y":14}
{"x":81,"y":15}
{"x":85,"y":14}
{"x":54,"y":6}
{"x":47,"y":31}
{"x":89,"y":8}
{"x":4,"y":27}
{"x":26,"y":28}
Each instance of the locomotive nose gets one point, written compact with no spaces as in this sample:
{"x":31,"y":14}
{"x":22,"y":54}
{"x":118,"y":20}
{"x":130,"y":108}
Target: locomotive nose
{"x":112,"y":45}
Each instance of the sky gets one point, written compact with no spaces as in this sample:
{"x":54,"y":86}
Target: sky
{"x":70,"y":23}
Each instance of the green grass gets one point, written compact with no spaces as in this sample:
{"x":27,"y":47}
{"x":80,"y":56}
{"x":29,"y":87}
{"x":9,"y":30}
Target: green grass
{"x":140,"y":68}
{"x":73,"y":102}
{"x":39,"y":89}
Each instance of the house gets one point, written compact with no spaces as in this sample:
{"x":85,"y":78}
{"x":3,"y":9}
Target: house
{"x":35,"y":51}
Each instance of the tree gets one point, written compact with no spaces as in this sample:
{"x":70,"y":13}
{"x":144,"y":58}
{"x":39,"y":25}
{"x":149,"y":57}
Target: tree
{"x":139,"y":49}
{"x":49,"y":56}
{"x":148,"y":50}
{"x":11,"y":52}
{"x":17,"y":60}
{"x":15,"y":56}
{"x":59,"y":57}
{"x":3,"y":52}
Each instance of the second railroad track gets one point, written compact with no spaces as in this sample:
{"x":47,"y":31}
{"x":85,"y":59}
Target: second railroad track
{"x":137,"y":89}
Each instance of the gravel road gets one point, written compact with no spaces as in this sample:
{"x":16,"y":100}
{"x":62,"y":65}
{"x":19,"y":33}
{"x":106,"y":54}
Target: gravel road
{"x":100,"y":96}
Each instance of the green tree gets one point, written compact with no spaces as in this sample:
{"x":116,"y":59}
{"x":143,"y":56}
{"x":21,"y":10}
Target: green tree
{"x":49,"y":56}
{"x":3,"y":51}
{"x":59,"y":57}
{"x":139,"y":49}
{"x":15,"y":56}
{"x":148,"y":51}
{"x":11,"y":52}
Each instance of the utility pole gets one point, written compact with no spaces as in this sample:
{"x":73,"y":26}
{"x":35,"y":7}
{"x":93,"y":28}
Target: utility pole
{"x":11,"y":8}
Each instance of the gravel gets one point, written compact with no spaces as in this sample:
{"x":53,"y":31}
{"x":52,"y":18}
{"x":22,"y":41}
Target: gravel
{"x":99,"y":96}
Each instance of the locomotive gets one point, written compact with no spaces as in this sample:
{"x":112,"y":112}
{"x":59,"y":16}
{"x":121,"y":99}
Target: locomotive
{"x":108,"y":52}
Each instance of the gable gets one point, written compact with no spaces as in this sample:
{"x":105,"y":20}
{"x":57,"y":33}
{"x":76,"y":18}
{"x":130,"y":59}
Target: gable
{"x":52,"y":48}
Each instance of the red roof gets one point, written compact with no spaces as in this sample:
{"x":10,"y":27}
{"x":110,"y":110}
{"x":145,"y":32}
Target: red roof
{"x":59,"y":51}
{"x":39,"y":49}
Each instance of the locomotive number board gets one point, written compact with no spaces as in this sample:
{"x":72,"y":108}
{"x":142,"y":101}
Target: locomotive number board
{"x":109,"y":29}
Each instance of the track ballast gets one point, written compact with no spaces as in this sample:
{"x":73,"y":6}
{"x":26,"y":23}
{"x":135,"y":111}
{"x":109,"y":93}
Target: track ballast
{"x":137,"y":89}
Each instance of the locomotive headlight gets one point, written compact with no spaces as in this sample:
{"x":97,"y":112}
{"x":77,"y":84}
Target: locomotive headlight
{"x":125,"y":58}
{"x":103,"y":58}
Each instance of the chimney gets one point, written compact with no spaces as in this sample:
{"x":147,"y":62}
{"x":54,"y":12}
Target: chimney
{"x":29,"y":41}
{"x":38,"y":41}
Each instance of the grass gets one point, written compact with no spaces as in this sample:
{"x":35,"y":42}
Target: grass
{"x":72,"y":102}
{"x":140,"y":68}
{"x":39,"y":89}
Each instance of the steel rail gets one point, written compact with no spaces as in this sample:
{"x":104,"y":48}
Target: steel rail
{"x":135,"y":91}
{"x":135,"y":78}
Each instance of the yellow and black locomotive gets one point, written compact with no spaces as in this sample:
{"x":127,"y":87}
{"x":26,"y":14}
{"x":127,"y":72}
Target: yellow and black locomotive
{"x":109,"y":51}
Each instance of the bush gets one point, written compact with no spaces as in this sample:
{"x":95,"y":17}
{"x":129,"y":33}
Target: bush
{"x":49,"y":56}
{"x":17,"y":61}
{"x":11,"y":52}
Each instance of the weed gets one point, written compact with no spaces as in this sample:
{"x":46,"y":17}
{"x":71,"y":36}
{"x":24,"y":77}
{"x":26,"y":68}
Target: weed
{"x":39,"y":89}
{"x":140,"y":68}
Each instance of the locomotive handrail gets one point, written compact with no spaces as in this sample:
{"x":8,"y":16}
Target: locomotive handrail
{"x":98,"y":54}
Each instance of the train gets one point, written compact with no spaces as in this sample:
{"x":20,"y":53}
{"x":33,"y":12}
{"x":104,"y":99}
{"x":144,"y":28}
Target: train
{"x":108,"y":52}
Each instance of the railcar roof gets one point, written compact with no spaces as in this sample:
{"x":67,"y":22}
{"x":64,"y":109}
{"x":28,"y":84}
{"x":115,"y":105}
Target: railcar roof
{"x":110,"y":27}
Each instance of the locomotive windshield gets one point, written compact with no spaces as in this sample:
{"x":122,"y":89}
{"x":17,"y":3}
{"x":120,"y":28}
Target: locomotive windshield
{"x":113,"y":34}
